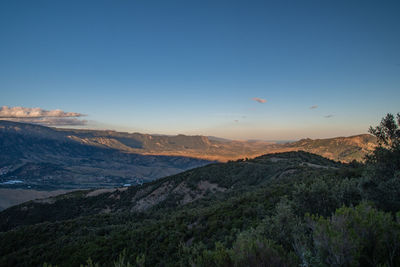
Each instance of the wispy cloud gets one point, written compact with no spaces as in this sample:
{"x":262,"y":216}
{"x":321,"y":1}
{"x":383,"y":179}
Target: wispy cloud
{"x":314,"y":107}
{"x":259,"y":100}
{"x":40,"y":116}
{"x":328,"y":116}
{"x":236,"y":121}
{"x":21,"y":112}
{"x":50,"y":121}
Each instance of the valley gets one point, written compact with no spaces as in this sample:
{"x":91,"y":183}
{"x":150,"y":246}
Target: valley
{"x":47,"y":159}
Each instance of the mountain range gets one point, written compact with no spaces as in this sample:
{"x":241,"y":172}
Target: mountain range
{"x":343,"y":149}
{"x":280,"y":209}
{"x":199,"y":205}
{"x":38,"y":157}
{"x":41,"y":158}
{"x":239,"y":213}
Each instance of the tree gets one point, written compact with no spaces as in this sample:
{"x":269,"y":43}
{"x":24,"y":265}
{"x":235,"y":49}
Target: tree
{"x":381,"y":182}
{"x":388,"y":132}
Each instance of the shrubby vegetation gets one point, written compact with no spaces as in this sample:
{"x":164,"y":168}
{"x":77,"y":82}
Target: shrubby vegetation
{"x":356,"y":234}
{"x":299,"y":210}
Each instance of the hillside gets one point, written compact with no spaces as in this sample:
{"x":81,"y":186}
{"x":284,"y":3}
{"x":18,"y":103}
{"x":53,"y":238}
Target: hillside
{"x":343,"y":149}
{"x":206,"y":204}
{"x":203,"y":147}
{"x":238,"y":213}
{"x":173,"y":191}
{"x":37,"y":157}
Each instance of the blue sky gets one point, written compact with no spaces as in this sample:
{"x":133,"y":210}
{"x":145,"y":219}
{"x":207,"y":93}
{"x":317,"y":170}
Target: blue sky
{"x":194,"y":67}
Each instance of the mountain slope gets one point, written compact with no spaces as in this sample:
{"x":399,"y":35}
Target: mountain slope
{"x":165,"y":219}
{"x":181,"y":189}
{"x":44,"y":158}
{"x":344,"y":149}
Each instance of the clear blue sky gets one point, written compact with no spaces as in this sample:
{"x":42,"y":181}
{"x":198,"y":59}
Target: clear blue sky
{"x":193,"y":67}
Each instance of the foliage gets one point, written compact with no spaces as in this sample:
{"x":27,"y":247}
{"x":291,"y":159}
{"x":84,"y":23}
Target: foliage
{"x":357,"y":236}
{"x":249,"y":249}
{"x":388,"y":132}
{"x":381,"y":182}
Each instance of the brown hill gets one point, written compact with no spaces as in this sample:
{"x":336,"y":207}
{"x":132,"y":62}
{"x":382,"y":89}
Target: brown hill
{"x":343,"y":149}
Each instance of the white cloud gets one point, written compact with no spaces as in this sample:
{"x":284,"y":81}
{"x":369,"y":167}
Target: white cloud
{"x":314,"y":107}
{"x":40,"y":116}
{"x":328,"y":116}
{"x":21,"y":112}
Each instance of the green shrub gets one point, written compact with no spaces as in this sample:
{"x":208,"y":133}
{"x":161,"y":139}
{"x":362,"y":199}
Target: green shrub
{"x":359,"y":236}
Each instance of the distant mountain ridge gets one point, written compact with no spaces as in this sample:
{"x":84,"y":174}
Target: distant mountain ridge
{"x":39,"y":157}
{"x":343,"y":149}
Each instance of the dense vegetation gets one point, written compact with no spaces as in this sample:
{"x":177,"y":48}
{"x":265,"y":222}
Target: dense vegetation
{"x":288,"y":209}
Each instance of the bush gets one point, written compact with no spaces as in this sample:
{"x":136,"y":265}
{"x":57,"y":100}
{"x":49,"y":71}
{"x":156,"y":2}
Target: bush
{"x":360,"y":236}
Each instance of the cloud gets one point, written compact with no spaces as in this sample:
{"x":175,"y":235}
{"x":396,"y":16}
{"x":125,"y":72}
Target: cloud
{"x":259,"y":100}
{"x":21,"y":112}
{"x":51,"y":121}
{"x":236,"y":121}
{"x":328,"y":116}
{"x":314,"y":107}
{"x":40,"y":116}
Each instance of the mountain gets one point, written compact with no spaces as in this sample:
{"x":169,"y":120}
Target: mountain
{"x":179,"y":220}
{"x":198,"y":205}
{"x":39,"y":157}
{"x":209,"y":148}
{"x":284,"y":209}
{"x":180,"y":189}
{"x":343,"y":149}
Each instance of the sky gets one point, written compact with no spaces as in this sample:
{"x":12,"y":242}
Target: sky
{"x":270,"y":70}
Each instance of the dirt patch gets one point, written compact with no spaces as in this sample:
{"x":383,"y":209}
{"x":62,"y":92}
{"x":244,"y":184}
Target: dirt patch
{"x":312,"y":165}
{"x":100,"y":191}
{"x":182,"y":190}
{"x":105,"y":190}
{"x":155,"y":197}
{"x":187,"y":193}
{"x":206,"y":185}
